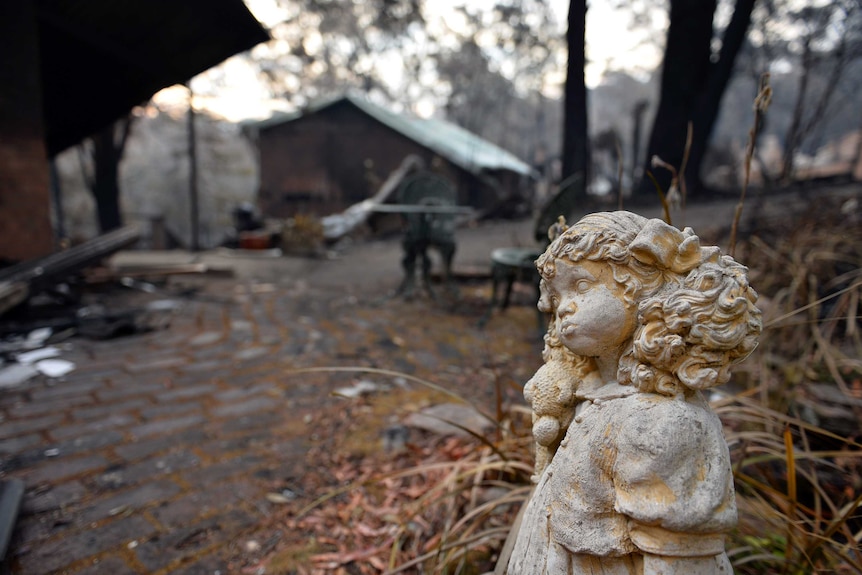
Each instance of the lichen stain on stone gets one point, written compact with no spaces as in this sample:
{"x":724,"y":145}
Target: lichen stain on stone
{"x":701,"y":474}
{"x":661,"y":493}
{"x":654,"y":489}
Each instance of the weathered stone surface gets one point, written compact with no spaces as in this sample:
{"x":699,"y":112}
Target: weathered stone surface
{"x":633,"y":473}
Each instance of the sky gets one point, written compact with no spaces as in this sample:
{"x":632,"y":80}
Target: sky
{"x":610,"y":45}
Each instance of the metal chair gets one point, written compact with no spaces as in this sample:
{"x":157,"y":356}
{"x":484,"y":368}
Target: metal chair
{"x":425,"y":230}
{"x":509,"y":265}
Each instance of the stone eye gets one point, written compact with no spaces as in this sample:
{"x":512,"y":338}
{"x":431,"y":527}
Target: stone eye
{"x":583,"y":286}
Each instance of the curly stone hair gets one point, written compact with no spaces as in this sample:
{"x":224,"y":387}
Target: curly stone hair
{"x":696,"y":311}
{"x":690,"y":335}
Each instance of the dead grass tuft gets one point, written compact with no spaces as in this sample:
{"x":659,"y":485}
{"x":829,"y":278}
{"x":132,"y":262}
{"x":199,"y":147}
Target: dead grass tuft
{"x":794,"y":427}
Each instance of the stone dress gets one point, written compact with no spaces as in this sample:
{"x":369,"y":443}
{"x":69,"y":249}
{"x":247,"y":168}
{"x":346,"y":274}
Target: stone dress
{"x":636,"y":473}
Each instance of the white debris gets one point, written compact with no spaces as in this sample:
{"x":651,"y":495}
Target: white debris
{"x":164,"y":305}
{"x":16,"y":374}
{"x":38,"y":336}
{"x":361,"y":387}
{"x":55,"y":367}
{"x":31,"y":357}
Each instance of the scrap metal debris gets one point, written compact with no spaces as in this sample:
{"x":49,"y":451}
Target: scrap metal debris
{"x":28,"y":347}
{"x":40,"y":307}
{"x":450,"y":419}
{"x":22,"y":280}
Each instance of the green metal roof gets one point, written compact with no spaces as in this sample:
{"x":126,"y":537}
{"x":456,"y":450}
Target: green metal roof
{"x":459,"y":146}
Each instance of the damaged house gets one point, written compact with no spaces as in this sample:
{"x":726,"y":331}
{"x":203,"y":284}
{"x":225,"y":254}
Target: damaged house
{"x":68,"y":69}
{"x":337,"y":153}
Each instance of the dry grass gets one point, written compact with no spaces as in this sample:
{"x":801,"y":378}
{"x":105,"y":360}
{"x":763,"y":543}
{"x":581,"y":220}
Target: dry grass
{"x":439,"y":505}
{"x":794,"y":429}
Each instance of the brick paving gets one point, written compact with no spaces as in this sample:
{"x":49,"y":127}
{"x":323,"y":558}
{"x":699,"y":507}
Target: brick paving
{"x":156,"y":454}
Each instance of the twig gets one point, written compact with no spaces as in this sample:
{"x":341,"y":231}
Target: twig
{"x":619,"y":173}
{"x":683,"y":189}
{"x":761,"y":104}
{"x":814,"y":303}
{"x":664,"y":205}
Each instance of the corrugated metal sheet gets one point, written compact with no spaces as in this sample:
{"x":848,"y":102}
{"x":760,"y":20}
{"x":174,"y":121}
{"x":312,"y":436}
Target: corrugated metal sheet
{"x":461,"y":147}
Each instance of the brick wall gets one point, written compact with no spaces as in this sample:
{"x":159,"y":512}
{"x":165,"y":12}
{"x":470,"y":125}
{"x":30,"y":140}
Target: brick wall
{"x":25,"y":203}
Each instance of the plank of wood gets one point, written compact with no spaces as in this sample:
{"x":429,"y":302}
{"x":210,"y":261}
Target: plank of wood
{"x":44,"y":272}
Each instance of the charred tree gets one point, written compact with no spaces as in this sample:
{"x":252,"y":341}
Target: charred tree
{"x":105,"y":151}
{"x":575,"y":134}
{"x":720,"y":73}
{"x":692,"y":84}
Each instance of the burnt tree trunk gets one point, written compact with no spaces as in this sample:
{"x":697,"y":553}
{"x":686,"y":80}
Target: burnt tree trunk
{"x":108,"y":145}
{"x":575,"y":138}
{"x":692,"y":86}
{"x":807,"y":115}
{"x":637,"y":127}
{"x":684,"y":77}
{"x":720,"y":73}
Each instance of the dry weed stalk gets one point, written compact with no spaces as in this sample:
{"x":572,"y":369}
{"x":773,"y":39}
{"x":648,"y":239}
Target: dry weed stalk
{"x":683,"y":188}
{"x":761,"y":104}
{"x":665,"y":205}
{"x":677,"y":192}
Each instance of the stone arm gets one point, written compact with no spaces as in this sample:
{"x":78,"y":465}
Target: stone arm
{"x":673,"y":480}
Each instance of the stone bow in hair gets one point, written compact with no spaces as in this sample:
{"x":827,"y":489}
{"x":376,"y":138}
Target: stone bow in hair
{"x":663,"y":245}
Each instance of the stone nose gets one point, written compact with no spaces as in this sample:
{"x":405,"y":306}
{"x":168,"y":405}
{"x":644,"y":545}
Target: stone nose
{"x":567,"y":306}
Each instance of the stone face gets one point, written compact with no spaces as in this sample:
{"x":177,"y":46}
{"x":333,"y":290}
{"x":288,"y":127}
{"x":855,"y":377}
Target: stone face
{"x":633,"y":474}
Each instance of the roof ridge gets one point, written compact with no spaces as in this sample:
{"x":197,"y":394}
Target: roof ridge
{"x":445,"y":138}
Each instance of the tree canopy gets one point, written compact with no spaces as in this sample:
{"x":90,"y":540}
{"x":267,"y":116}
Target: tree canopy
{"x":496,"y":68}
{"x":404,"y":50}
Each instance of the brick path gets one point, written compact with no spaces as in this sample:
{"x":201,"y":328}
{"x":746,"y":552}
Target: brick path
{"x":156,"y":454}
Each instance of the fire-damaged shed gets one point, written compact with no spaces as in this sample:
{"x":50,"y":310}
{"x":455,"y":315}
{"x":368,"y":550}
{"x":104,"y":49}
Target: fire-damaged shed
{"x":338,"y":152}
{"x":68,"y":69}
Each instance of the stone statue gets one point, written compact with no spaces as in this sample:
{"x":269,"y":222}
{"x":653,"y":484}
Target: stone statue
{"x":633,"y":474}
